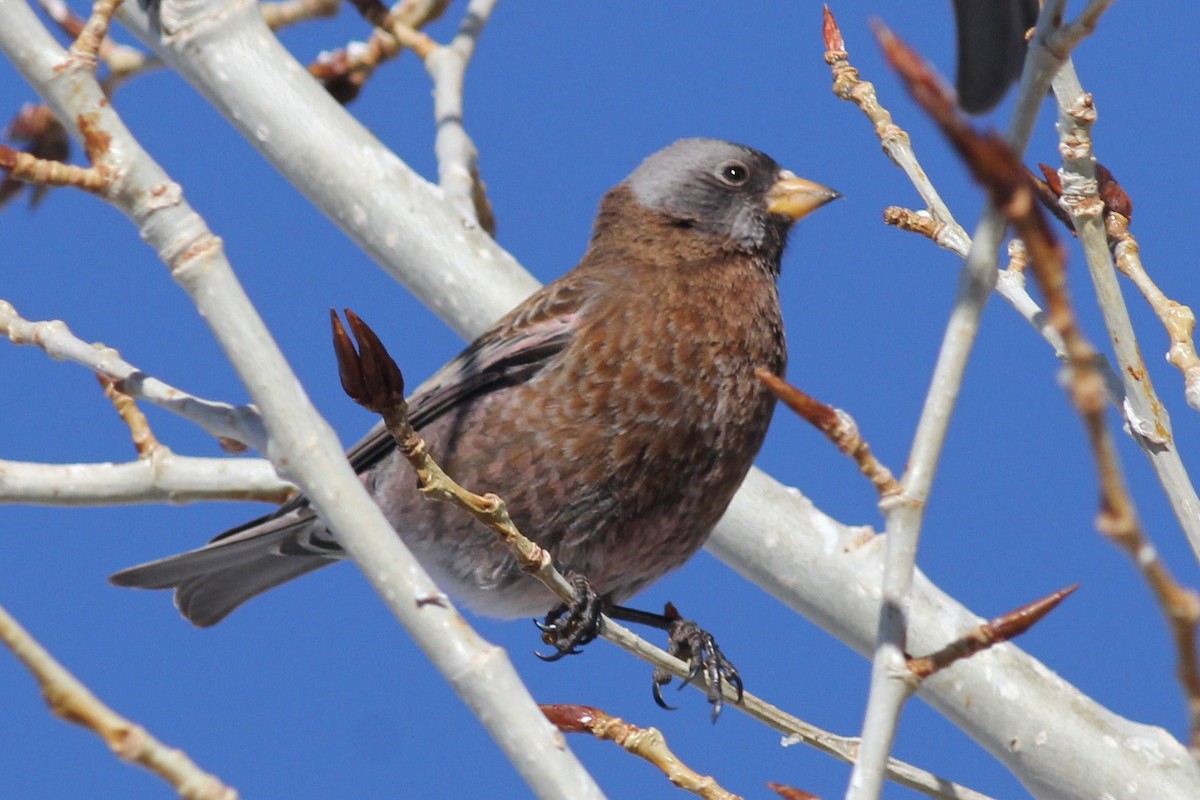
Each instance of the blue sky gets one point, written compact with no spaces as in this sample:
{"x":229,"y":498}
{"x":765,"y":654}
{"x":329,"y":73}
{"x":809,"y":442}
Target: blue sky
{"x":313,"y":690}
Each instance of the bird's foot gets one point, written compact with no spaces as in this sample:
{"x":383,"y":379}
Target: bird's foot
{"x":567,"y":628}
{"x":688,"y":642}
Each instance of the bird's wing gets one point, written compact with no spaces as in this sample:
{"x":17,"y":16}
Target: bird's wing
{"x":512,"y":352}
{"x":991,"y":48}
{"x":243,"y":562}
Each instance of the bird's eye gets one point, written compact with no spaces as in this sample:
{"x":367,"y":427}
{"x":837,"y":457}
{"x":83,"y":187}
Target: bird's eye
{"x":733,"y":173}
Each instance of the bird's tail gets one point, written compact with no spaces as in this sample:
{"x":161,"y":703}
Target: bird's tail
{"x":239,"y":564}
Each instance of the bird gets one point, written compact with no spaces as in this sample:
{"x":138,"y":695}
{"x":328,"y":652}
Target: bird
{"x":991,"y":48}
{"x":616,"y":410}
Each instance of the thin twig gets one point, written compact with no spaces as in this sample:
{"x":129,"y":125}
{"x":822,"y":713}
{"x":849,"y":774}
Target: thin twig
{"x":139,"y":427}
{"x":936,"y":222}
{"x":1178,"y":319}
{"x":647,"y":743}
{"x":996,"y":167}
{"x":838,"y":426}
{"x":988,"y":634}
{"x":1086,"y":199}
{"x":239,"y":425}
{"x":458,"y":158}
{"x":86,"y":47}
{"x":1117,"y":519}
{"x":847,"y":85}
{"x":282,"y":13}
{"x":48,"y":172}
{"x":1063,"y":40}
{"x":344,"y":72}
{"x":69,"y":699}
{"x":299,"y":441}
{"x":120,"y":59}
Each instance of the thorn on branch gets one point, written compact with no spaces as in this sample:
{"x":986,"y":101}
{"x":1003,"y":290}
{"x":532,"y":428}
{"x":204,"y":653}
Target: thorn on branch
{"x":791,"y":793}
{"x":982,"y":637}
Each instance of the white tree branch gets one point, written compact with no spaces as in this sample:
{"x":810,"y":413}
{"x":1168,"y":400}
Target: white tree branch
{"x":223,"y":421}
{"x":1043,"y":729}
{"x":458,"y":171}
{"x":162,"y":477}
{"x":297,"y":437}
{"x":891,"y":681}
{"x":1149,"y":422}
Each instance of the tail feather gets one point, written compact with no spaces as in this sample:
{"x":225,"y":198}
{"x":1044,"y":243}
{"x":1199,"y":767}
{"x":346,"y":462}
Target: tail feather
{"x":211,"y":582}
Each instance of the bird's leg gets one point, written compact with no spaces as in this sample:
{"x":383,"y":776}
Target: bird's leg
{"x":688,"y":642}
{"x":567,"y":628}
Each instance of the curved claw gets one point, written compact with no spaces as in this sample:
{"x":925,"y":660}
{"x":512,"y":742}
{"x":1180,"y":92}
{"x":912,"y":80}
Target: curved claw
{"x":735,"y":681}
{"x":661,"y":680}
{"x":693,"y":644}
{"x":567,"y":628}
{"x":555,"y":656}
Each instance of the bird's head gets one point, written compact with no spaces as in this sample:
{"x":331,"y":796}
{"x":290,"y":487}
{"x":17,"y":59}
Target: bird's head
{"x":726,"y":190}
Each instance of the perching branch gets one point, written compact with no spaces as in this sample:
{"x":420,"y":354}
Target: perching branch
{"x":467,"y":280}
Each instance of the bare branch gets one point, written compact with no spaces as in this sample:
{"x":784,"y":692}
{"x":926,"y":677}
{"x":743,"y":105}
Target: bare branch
{"x":240,"y":424}
{"x":282,"y":13}
{"x":1148,"y":419}
{"x":890,"y":683}
{"x":838,"y":426}
{"x":647,"y":743}
{"x":344,"y":72}
{"x":163,"y":477}
{"x":996,"y":167}
{"x":86,"y":47}
{"x":847,"y":85}
{"x":139,"y":427}
{"x":1178,"y":319}
{"x":73,"y":702}
{"x":46,"y":172}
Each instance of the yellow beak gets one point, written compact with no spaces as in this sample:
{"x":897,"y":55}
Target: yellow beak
{"x":796,"y":198}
